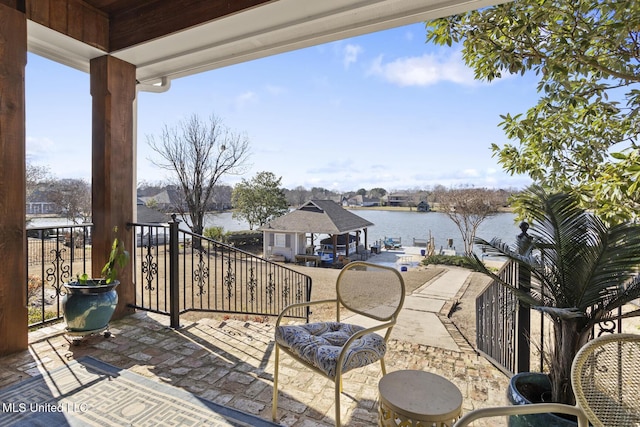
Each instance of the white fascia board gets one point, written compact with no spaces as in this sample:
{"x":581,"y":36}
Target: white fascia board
{"x":274,"y":28}
{"x":280,"y":27}
{"x":60,"y":48}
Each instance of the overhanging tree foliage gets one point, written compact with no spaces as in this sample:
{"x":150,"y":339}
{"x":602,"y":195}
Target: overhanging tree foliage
{"x":582,"y":269}
{"x":198,"y":154}
{"x":582,"y":134}
{"x":259,"y":200}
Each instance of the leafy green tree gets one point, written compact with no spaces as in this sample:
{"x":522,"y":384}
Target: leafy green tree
{"x":582,"y":271}
{"x":582,"y":134}
{"x":259,"y":200}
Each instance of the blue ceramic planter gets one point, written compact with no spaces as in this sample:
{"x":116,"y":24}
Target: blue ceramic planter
{"x":89,"y":307}
{"x":532,"y":383}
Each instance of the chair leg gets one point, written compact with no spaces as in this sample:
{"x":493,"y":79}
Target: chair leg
{"x":384,"y":368}
{"x":337,"y":404}
{"x":274,"y":403}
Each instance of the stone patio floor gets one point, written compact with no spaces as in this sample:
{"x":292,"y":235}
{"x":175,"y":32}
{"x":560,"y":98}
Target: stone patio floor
{"x":230,"y":362}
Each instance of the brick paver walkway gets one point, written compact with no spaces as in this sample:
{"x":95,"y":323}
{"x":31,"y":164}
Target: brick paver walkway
{"x":231,"y":362}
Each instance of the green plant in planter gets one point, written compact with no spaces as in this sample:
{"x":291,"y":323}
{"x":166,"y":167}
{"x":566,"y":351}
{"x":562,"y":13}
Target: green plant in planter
{"x":582,"y":271}
{"x":118,"y":259}
{"x":88,"y":304}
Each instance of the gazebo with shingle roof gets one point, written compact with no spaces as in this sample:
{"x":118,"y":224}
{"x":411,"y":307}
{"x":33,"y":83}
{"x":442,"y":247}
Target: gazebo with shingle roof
{"x":287,"y":235}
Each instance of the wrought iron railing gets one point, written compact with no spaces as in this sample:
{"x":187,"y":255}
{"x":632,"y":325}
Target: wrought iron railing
{"x":176,"y":271}
{"x":504,"y":333}
{"x":54,"y":256}
{"x":206,"y":275}
{"x":496,"y":321}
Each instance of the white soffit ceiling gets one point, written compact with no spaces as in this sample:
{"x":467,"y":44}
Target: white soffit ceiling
{"x":276,"y":27}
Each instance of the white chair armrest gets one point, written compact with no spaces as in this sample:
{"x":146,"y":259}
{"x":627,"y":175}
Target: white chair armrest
{"x":536,"y":408}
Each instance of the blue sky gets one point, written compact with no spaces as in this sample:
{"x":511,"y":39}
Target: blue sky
{"x":381,"y":110}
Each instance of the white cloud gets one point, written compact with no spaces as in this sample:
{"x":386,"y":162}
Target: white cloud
{"x":275,"y":90}
{"x":350,"y":54}
{"x":39,"y":149}
{"x":246,"y":98}
{"x":470,"y":173}
{"x":424,"y":70}
{"x":39,"y":144}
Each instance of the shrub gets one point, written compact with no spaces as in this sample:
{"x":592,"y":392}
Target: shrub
{"x":245,"y":238}
{"x":455,"y":260}
{"x":34,"y":286}
{"x":35,"y":315}
{"x":215,"y":233}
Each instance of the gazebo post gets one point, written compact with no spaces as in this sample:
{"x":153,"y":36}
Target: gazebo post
{"x":334,"y":239}
{"x":366,"y":235}
{"x":347,"y":241}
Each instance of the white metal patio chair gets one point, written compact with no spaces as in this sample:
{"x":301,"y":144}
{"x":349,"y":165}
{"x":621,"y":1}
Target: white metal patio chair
{"x":605,"y":377}
{"x":333,"y":348}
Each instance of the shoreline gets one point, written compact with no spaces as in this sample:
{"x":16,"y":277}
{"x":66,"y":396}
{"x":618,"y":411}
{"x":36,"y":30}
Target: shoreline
{"x":411,"y":209}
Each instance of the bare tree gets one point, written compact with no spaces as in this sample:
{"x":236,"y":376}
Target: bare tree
{"x":467,"y":208}
{"x":297,"y":196}
{"x":72,"y":198}
{"x":198,"y":154}
{"x":35,"y":175}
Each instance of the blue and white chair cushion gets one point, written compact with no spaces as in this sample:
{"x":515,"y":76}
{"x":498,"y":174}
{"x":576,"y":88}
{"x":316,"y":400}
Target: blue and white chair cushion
{"x":320,"y":345}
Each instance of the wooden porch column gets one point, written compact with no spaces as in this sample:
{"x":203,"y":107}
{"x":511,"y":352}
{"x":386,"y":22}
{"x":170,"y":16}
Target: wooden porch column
{"x":113,"y":91}
{"x":13,"y":279}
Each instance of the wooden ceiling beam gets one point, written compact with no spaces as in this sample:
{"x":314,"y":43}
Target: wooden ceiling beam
{"x":130,"y":22}
{"x":141,"y":22}
{"x":74,"y":18}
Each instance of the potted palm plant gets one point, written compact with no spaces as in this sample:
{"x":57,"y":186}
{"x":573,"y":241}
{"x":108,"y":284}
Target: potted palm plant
{"x":582,"y":271}
{"x":89,"y":303}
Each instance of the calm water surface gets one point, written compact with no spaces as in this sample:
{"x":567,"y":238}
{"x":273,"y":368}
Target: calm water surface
{"x":406,"y":225}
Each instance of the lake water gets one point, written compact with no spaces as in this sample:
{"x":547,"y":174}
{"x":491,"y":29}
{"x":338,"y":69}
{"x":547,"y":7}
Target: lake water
{"x":406,"y":225}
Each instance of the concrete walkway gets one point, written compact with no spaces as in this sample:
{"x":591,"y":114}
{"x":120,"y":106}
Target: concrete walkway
{"x":423,"y":318}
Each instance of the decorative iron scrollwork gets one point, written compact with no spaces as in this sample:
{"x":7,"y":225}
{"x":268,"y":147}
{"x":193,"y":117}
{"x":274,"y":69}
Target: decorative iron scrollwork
{"x":149,"y":269}
{"x":201,"y":272}
{"x":270,"y":288}
{"x":252,"y":284}
{"x":59,"y":273}
{"x":607,"y":327}
{"x":229,"y":280}
{"x":286,"y":290}
{"x":299,"y":293}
